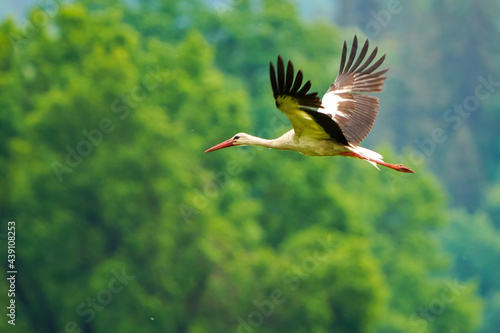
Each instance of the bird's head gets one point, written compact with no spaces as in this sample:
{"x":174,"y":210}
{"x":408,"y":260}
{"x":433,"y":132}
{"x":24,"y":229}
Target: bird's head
{"x":239,"y":139}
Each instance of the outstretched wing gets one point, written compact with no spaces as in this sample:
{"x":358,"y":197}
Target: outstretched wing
{"x":354,"y":112}
{"x":300,"y":106}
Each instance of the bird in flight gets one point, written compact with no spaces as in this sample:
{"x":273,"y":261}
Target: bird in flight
{"x":334,"y":125}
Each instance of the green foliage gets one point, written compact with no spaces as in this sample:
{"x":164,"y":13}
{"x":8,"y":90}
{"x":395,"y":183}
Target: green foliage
{"x":476,"y":258}
{"x":125,"y":225}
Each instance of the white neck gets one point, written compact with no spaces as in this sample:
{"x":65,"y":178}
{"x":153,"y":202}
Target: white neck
{"x":284,"y":142}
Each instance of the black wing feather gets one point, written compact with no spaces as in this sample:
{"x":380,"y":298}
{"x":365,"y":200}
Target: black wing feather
{"x":284,"y":86}
{"x":281,"y":73}
{"x":298,"y":82}
{"x":352,"y":55}
{"x":342,"y":60}
{"x":369,"y":60}
{"x":361,"y":56}
{"x":289,"y":76}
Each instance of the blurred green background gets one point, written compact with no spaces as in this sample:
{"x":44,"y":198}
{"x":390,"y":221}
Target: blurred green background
{"x":124,"y":225}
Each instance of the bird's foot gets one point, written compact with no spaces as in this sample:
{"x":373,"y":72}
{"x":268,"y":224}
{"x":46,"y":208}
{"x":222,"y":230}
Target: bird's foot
{"x":402,"y":168}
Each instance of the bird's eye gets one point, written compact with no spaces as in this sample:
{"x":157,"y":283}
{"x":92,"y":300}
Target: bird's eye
{"x":236,"y":137}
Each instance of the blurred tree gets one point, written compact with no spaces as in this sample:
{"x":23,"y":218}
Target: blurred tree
{"x":100,"y":165}
{"x":247,"y":35}
{"x":476,"y":244}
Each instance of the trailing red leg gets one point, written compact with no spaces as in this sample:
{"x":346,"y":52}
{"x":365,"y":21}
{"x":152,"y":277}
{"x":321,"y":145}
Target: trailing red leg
{"x":397,"y":167}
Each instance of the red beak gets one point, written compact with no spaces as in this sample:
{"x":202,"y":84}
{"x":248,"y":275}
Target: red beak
{"x":225,"y":144}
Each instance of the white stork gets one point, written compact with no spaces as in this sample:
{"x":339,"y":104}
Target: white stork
{"x":334,"y":125}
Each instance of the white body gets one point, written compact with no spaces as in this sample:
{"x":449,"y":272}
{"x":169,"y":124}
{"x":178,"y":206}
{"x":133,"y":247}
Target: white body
{"x":307,"y":145}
